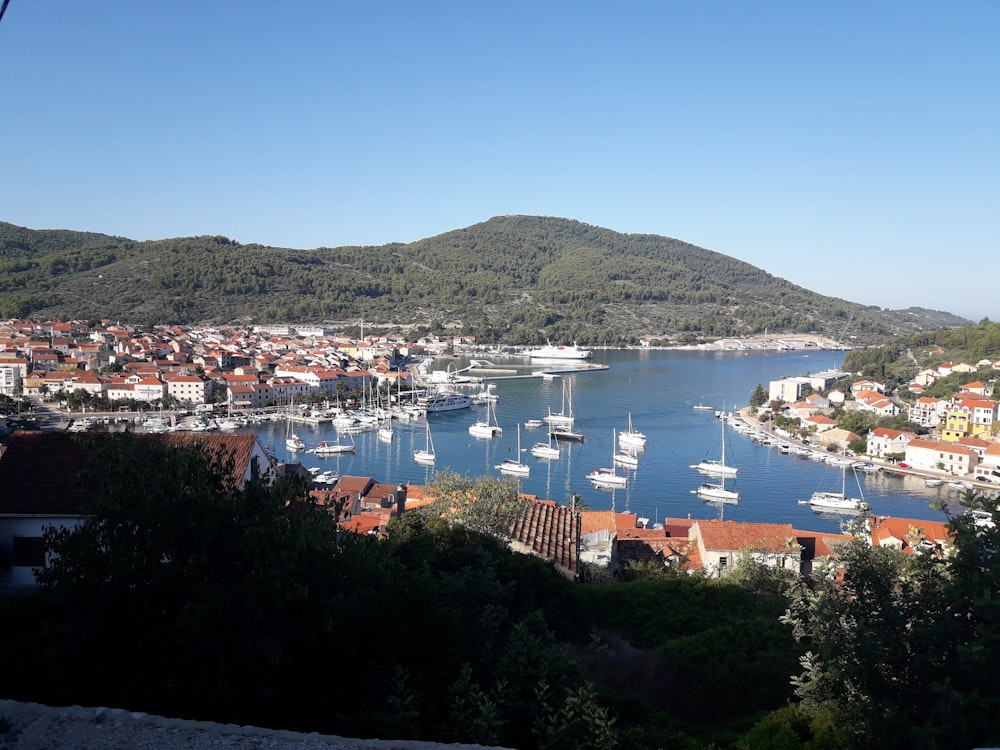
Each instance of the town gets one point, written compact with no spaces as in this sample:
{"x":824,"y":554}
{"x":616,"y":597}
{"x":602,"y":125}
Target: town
{"x":110,"y":368}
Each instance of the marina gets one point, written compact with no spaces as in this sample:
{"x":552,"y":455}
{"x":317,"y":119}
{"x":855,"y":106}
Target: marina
{"x":660,"y":388}
{"x":676,"y":397}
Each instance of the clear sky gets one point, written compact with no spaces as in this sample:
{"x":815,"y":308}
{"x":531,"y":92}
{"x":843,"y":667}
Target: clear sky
{"x":852,"y":148}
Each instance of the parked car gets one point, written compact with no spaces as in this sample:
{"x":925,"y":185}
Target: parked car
{"x":903,"y":465}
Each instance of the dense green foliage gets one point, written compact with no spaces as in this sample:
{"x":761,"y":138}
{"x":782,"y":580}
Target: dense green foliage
{"x":900,"y":648}
{"x":899,"y":361}
{"x":183,"y":595}
{"x":518,"y":279}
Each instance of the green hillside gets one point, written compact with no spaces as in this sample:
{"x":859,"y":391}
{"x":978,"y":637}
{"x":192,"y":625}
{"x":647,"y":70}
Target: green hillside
{"x":513,"y":278}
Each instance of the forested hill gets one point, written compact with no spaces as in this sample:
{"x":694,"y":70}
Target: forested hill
{"x":513,"y":278}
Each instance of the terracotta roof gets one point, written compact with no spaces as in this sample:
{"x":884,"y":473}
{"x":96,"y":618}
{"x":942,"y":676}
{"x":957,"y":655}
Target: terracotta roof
{"x":729,"y":535}
{"x":39,"y":470}
{"x":354,"y":484}
{"x":551,"y":532}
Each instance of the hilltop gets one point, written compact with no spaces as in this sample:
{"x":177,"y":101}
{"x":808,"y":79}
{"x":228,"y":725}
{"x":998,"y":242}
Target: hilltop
{"x":516,"y":278}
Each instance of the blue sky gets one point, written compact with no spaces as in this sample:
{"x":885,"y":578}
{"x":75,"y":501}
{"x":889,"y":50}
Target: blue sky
{"x":852,"y":148}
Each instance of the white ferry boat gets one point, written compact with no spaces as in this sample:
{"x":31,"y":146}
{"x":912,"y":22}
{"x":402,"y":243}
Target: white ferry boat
{"x":444,"y":402}
{"x":573,"y":353}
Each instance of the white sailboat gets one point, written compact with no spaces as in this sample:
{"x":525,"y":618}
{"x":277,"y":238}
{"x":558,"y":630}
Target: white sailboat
{"x":426,"y":454}
{"x":326,"y":448}
{"x":514,"y":466}
{"x":632,"y":437}
{"x":486,"y":428}
{"x":627,"y":457}
{"x":545,"y":450}
{"x":717,"y":468}
{"x":608,"y":477}
{"x":836,"y":502}
{"x":716,"y":491}
{"x":292,"y":441}
{"x":564,"y":418}
{"x":385,"y":433}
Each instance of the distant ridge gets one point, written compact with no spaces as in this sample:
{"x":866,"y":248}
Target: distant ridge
{"x":519,"y":279}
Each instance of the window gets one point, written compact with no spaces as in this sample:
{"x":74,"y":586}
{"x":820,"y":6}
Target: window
{"x":723,"y":562}
{"x":29,"y":552}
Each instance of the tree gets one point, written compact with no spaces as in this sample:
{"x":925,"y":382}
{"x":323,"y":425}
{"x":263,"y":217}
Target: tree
{"x":898,"y":645}
{"x":173,"y":557}
{"x":486,"y":504}
{"x":759,"y":396}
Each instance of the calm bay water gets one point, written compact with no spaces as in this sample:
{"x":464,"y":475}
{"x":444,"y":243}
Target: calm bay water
{"x":660,"y":389}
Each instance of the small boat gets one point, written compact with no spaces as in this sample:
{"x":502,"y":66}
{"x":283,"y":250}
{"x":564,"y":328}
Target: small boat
{"x":513,"y":466}
{"x":426,"y":454}
{"x":631,"y":436}
{"x":932,"y":482}
{"x":533,"y":424}
{"x":703,"y":407}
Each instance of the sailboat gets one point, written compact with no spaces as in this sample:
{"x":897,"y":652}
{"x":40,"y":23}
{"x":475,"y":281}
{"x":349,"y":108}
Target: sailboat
{"x":608,"y":477}
{"x":514,"y":465}
{"x":385,"y":432}
{"x":837,"y":502}
{"x":631,"y":437}
{"x":426,"y":455}
{"x":292,"y":441}
{"x":326,"y":448}
{"x":717,"y":490}
{"x":486,"y":428}
{"x":545,"y":450}
{"x":564,"y":418}
{"x":717,"y":468}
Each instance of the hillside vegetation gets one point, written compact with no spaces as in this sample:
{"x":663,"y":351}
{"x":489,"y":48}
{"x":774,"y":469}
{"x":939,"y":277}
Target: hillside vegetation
{"x":513,"y":278}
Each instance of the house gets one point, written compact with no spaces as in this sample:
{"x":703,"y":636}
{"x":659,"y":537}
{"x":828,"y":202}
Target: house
{"x":989,"y":465}
{"x":39,"y":476}
{"x":927,"y":411}
{"x":907,"y":534}
{"x":943,"y":456}
{"x":721,"y":544}
{"x":883,"y":441}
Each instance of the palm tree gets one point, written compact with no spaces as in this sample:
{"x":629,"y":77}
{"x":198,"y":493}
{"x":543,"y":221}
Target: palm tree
{"x":577,"y":503}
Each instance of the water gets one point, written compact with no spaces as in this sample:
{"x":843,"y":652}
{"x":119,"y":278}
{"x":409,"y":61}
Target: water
{"x":660,"y":389}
